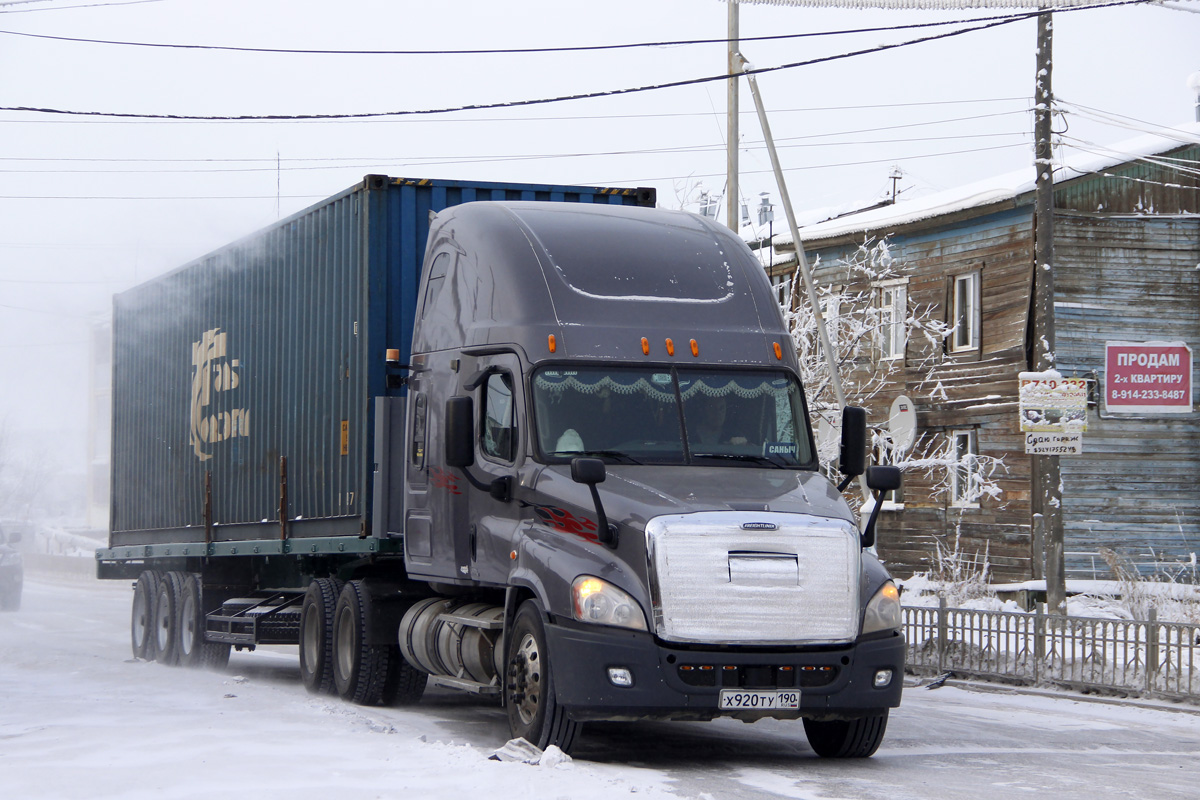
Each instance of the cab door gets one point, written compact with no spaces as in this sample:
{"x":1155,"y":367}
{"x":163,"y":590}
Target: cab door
{"x":501,"y":448}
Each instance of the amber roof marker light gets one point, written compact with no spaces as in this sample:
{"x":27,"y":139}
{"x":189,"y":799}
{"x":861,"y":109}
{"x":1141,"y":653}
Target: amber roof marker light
{"x":778,"y":352}
{"x":645,"y":346}
{"x":695,"y":349}
{"x":552,"y":343}
{"x":670,"y":347}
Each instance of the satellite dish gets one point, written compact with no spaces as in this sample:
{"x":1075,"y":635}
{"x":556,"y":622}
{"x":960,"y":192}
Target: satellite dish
{"x":902,"y":423}
{"x":829,"y":433}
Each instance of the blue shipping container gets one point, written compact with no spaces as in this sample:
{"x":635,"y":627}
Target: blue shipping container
{"x":243,"y":382}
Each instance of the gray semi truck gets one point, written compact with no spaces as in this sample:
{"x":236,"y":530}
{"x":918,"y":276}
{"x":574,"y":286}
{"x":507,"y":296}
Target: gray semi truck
{"x":543,"y":444}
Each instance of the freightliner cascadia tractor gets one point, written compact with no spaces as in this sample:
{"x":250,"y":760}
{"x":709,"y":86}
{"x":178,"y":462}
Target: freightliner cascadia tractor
{"x":543,"y":444}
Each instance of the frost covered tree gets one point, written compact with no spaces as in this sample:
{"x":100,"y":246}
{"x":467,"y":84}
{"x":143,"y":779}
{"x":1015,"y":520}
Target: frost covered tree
{"x":870,"y":321}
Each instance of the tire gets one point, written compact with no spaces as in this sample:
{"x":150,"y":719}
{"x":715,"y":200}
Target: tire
{"x":316,"y":634}
{"x":363,"y":673}
{"x":191,"y":647}
{"x":165,"y":634}
{"x":533,"y":710}
{"x":141,"y":623}
{"x":847,"y":738}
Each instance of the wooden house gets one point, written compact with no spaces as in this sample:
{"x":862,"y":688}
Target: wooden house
{"x":1126,"y":269}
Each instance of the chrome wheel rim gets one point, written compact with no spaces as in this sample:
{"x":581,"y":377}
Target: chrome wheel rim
{"x":527,"y":678}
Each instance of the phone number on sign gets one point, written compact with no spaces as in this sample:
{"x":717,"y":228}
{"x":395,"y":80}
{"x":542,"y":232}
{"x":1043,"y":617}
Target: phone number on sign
{"x":1146,"y":394}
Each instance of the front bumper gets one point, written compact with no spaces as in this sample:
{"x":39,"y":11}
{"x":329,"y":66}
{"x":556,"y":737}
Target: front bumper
{"x":669,"y":682}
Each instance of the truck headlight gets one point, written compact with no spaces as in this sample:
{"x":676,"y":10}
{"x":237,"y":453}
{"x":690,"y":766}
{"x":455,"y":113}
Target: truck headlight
{"x":883,"y":612}
{"x":604,"y":604}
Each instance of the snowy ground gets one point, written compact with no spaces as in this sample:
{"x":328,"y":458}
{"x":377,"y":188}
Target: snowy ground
{"x":80,"y":719}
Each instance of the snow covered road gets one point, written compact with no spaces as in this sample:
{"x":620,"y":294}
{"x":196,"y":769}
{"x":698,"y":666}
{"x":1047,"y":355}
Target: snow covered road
{"x":80,"y":719}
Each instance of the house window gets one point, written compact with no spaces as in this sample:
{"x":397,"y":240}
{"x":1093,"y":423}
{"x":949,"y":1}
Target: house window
{"x":783,"y":288}
{"x":965,"y":312}
{"x":889,"y":455}
{"x":892,"y":303}
{"x":964,"y":472}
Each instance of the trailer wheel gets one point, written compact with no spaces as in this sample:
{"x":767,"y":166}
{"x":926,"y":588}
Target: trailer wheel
{"x":367,"y":674}
{"x":533,"y":711}
{"x":141,"y":623}
{"x":316,"y":634}
{"x":848,"y":738}
{"x":191,"y":646}
{"x":166,"y":620}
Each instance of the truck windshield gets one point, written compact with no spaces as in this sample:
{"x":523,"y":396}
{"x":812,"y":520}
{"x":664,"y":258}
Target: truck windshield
{"x":676,"y":416}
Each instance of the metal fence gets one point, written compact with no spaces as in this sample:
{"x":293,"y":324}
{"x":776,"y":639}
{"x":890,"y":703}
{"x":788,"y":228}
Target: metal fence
{"x":1130,"y":656}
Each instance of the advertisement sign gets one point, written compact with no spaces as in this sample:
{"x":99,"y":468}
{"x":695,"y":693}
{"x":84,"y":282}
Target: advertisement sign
{"x":1053,"y":413}
{"x":1053,"y":444}
{"x":1147,"y":378}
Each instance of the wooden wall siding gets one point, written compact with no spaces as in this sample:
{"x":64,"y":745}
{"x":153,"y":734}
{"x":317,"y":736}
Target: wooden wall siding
{"x":1135,"y":487}
{"x":1136,"y":188}
{"x":969,"y":390}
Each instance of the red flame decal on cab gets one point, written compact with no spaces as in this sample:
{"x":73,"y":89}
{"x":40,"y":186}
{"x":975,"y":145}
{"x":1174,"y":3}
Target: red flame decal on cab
{"x":567,"y":522}
{"x":444,"y":480}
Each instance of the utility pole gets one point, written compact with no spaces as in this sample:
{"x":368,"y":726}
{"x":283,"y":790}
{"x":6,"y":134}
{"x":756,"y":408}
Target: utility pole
{"x":731,"y":134}
{"x":1047,"y":481}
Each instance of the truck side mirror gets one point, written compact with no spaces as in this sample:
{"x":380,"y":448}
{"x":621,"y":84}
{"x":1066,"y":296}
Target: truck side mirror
{"x":460,"y":432}
{"x":881,"y":480}
{"x":852,"y":460}
{"x":590,"y":471}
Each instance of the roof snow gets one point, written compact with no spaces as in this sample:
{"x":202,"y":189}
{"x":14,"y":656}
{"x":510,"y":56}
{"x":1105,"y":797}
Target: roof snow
{"x":997,"y":189}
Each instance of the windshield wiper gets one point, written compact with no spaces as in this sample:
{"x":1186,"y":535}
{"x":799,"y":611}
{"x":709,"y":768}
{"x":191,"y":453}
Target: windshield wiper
{"x":753,"y":459}
{"x":615,"y":455}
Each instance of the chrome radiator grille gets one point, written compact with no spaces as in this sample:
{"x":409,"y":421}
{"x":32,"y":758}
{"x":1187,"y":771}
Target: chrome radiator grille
{"x":715,"y":581}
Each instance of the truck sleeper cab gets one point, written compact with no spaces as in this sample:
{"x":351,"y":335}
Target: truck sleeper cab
{"x":627,"y":457}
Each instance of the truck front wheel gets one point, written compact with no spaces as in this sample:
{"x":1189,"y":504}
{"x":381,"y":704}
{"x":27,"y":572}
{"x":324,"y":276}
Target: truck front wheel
{"x":533,"y":711}
{"x":846,"y":738}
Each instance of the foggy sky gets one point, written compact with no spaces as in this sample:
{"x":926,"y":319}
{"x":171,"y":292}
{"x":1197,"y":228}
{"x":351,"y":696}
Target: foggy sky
{"x":85,"y":212}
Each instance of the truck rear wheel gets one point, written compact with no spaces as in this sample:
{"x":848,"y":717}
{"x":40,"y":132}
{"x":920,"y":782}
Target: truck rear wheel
{"x":316,"y":634}
{"x":533,"y":711}
{"x":141,"y":623}
{"x":368,"y":674}
{"x":847,"y":738}
{"x":166,"y":620}
{"x":192,"y":649}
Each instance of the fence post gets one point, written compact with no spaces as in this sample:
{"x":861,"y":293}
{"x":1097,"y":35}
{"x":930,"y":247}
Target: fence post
{"x":1151,"y":647}
{"x":1039,"y":643}
{"x":943,"y":629}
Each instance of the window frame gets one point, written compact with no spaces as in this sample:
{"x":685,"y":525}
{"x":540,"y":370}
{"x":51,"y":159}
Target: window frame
{"x":513,"y":426}
{"x":893,"y":332}
{"x":972,"y":314}
{"x":962,"y":473}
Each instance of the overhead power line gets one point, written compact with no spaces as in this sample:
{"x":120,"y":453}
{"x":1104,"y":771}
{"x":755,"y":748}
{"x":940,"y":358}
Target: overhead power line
{"x":535,"y":50}
{"x":508,"y":50}
{"x":562,"y":118}
{"x":64,"y":8}
{"x":339,"y":161}
{"x":535,"y":102}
